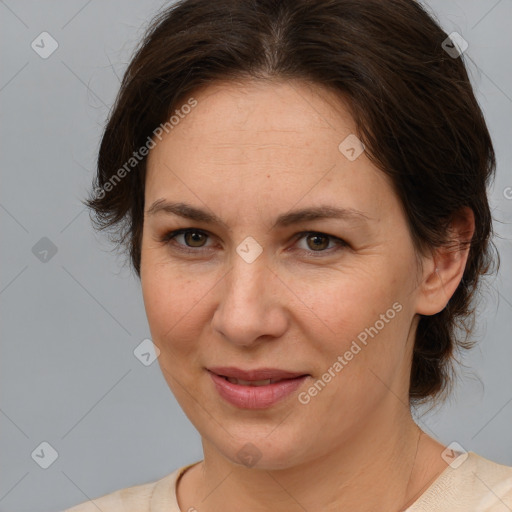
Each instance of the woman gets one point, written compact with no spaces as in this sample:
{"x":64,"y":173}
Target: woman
{"x":301,"y":186}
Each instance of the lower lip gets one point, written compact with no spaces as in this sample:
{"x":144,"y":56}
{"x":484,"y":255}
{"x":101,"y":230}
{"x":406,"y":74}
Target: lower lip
{"x":255,"y":397}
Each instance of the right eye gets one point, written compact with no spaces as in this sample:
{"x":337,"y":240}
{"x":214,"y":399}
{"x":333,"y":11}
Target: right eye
{"x":193,"y":238}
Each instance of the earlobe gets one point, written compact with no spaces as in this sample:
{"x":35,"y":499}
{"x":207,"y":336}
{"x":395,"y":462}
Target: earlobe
{"x":444,"y":271}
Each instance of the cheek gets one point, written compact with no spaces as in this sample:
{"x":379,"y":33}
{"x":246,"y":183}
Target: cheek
{"x":358,"y":317}
{"x":342,"y":303}
{"x":175,"y":305}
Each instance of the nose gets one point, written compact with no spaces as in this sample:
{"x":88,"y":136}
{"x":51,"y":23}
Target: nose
{"x":252,"y":304}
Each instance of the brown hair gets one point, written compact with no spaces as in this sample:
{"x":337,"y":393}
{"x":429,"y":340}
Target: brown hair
{"x":412,"y":102}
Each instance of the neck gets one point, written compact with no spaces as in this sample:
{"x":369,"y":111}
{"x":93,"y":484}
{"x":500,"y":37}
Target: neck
{"x":377,"y":468}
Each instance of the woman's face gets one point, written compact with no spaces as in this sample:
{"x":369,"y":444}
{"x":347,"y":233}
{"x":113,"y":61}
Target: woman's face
{"x":331,"y":297}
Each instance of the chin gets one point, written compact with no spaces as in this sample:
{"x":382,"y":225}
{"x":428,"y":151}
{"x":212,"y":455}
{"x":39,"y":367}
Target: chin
{"x":263,"y":452}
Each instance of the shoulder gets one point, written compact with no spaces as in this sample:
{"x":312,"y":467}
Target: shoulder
{"x":470,"y":482}
{"x":495,"y":483}
{"x":137,"y":498}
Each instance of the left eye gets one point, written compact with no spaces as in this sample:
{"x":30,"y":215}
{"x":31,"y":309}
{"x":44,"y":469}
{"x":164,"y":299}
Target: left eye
{"x":196,"y":239}
{"x":319,"y":242}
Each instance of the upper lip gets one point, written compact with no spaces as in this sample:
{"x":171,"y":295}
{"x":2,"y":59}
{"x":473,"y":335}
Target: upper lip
{"x":256,"y":374}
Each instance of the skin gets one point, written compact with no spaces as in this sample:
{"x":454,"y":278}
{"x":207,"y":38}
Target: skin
{"x":247,"y":153}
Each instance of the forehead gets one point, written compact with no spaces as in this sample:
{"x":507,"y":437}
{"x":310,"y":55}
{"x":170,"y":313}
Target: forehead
{"x":264,"y":107}
{"x":256,"y":126}
{"x":258,"y":144}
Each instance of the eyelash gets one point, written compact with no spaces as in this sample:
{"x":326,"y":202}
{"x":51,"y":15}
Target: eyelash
{"x":168,"y":238}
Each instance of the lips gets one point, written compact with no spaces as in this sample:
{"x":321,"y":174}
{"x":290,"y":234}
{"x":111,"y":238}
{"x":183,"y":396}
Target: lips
{"x":256,"y":377}
{"x":258,"y":389}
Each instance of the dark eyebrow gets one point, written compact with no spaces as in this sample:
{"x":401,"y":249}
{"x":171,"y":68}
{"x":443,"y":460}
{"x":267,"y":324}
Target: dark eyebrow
{"x":295,"y":217}
{"x":320,"y":212}
{"x":186,"y":211}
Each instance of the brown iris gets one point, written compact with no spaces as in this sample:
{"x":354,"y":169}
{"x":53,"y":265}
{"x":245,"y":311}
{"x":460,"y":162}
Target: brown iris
{"x":194,"y":238}
{"x":318,"y":244}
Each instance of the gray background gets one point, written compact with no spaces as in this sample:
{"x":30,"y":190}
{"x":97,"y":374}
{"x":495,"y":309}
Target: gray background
{"x":70,"y":325}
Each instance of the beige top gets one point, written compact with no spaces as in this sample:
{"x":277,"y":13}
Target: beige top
{"x":476,"y":485}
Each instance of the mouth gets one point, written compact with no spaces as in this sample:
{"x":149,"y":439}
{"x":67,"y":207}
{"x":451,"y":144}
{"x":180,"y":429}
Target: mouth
{"x":256,"y":383}
{"x":257,"y":377}
{"x":255,"y":389}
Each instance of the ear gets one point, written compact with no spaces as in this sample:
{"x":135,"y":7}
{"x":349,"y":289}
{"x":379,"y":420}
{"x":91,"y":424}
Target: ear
{"x":443,"y":271}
